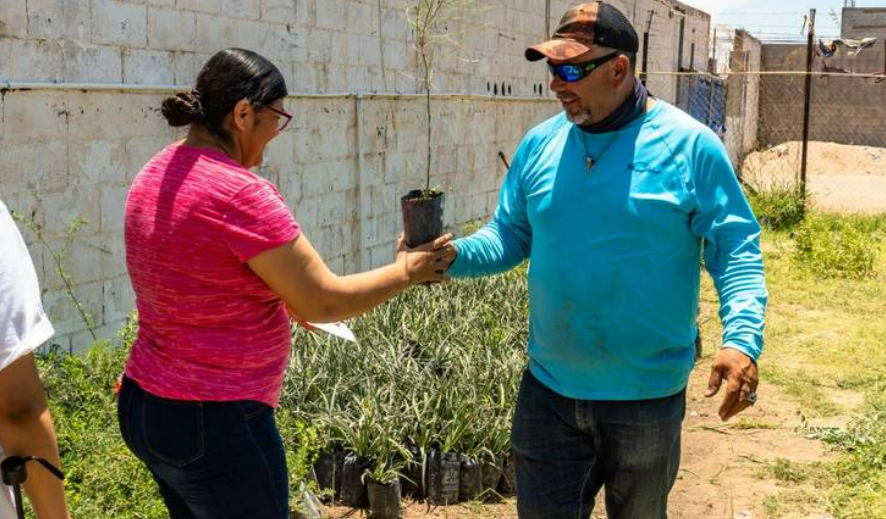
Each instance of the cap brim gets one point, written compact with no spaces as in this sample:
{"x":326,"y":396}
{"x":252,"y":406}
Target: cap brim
{"x":558,"y":49}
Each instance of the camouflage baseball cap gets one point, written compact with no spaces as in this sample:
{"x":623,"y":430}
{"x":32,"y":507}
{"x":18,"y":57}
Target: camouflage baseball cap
{"x":583,"y":27}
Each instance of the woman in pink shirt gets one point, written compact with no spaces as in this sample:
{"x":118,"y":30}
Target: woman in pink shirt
{"x":215,"y":259}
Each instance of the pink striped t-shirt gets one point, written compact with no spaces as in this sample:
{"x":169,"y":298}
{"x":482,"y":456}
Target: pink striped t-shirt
{"x":209,"y":328}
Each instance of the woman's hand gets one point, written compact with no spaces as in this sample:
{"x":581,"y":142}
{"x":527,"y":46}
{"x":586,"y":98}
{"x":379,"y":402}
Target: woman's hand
{"x":426,"y":263}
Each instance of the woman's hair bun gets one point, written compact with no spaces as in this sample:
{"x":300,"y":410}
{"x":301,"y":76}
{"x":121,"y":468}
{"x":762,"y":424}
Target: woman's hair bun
{"x":182,"y":109}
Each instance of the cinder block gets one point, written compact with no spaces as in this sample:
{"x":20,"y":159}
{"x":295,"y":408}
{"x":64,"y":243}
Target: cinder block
{"x":30,"y":60}
{"x":304,"y":77}
{"x":332,"y":209}
{"x":171,"y":29}
{"x":246,"y":9}
{"x":203,"y":6}
{"x":39,"y":166}
{"x":307,"y":212}
{"x":306,"y":13}
{"x":119,"y":23}
{"x":96,"y":161}
{"x":330,"y":14}
{"x":62,"y":311}
{"x":395,"y":26}
{"x":34,"y":115}
{"x":61,"y":208}
{"x":13,"y":18}
{"x":187,"y":66}
{"x":215,"y":33}
{"x":359,"y":18}
{"x":269,"y":40}
{"x":92,"y":63}
{"x":113,"y":204}
{"x":119,"y":298}
{"x":148,"y":67}
{"x":59,"y":20}
{"x":290,"y":187}
{"x":109,"y":115}
{"x":278,"y":11}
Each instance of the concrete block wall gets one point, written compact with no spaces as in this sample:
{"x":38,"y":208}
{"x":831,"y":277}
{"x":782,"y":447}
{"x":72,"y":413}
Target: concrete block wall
{"x":845,"y":110}
{"x":863,"y":22}
{"x":743,"y":103}
{"x":67,"y":154}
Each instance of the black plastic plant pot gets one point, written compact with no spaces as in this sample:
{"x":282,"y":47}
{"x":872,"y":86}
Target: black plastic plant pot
{"x":328,"y":469}
{"x":444,"y":471}
{"x":492,"y":474}
{"x":422,"y":216}
{"x":353,"y":489}
{"x":470,"y":480}
{"x":414,"y":475}
{"x":508,"y":484}
{"x":384,"y":500}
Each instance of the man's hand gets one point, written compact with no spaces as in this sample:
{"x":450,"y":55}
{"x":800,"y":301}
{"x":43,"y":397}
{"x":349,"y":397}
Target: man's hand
{"x":740,"y":373}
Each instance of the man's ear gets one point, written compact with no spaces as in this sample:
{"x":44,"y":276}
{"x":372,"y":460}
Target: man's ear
{"x":621,"y":66}
{"x":242,"y":115}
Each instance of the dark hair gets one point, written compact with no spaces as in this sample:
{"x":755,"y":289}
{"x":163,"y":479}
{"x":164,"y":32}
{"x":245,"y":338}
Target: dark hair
{"x":228,"y":77}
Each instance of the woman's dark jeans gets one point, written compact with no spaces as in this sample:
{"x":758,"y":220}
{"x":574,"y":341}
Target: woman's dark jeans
{"x":212,"y":460}
{"x":565,"y":450}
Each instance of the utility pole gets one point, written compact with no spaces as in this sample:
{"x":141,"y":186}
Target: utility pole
{"x":807,"y":105}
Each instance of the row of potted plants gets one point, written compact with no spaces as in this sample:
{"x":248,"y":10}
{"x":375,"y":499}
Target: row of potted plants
{"x":423,"y":403}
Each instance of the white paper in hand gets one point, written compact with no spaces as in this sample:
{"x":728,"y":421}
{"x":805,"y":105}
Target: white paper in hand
{"x":340,"y":330}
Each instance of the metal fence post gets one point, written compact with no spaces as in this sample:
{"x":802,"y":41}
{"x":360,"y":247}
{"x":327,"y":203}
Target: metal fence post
{"x":807,"y":105}
{"x":643,"y":73}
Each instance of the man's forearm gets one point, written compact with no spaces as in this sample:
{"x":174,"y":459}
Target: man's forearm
{"x":494,"y":249}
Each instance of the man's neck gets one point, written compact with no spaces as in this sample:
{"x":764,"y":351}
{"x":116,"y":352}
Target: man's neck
{"x":618,"y":99}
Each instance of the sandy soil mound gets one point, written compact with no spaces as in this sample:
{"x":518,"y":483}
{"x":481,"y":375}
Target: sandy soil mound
{"x":839,"y":177}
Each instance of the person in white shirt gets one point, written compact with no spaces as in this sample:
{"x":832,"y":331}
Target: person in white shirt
{"x":25,"y":423}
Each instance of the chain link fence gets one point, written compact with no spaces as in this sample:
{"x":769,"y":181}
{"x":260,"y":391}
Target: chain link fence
{"x":761,"y":117}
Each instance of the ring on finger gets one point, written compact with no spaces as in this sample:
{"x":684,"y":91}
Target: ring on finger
{"x":752,"y":398}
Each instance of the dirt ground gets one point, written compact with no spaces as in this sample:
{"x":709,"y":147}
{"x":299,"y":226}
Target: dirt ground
{"x":721,"y":476}
{"x":839,"y":177}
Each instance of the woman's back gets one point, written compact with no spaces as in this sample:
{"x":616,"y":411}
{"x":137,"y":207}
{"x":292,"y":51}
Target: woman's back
{"x":209,"y":328}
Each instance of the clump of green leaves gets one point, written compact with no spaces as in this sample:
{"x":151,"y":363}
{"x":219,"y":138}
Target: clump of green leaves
{"x":832,"y":246}
{"x":861,"y":471}
{"x":778,"y":206}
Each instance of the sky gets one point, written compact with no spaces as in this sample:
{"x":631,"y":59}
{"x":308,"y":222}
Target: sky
{"x":779,"y":19}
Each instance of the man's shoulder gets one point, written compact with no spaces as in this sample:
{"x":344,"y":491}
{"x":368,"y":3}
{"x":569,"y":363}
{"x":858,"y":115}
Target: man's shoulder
{"x":682,"y":131}
{"x":669,"y":117}
{"x":546,"y":130}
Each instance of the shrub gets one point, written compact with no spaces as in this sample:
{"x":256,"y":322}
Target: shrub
{"x":838,"y":246}
{"x":779,"y":206}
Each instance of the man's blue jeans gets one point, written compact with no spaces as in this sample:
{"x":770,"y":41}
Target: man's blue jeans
{"x":212,"y":460}
{"x":566,"y":450}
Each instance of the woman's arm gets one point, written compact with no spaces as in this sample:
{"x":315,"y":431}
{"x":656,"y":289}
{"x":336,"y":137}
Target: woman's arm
{"x":296,"y":272}
{"x":26,"y":430}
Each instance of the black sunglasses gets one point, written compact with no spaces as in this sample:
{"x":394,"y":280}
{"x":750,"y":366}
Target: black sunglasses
{"x":572,"y":72}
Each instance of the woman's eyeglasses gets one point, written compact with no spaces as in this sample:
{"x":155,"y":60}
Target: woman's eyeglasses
{"x":286,"y":117}
{"x":572,"y":72}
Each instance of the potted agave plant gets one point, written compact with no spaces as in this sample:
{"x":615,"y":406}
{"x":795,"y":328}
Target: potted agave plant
{"x":383,"y":484}
{"x":431,"y":22}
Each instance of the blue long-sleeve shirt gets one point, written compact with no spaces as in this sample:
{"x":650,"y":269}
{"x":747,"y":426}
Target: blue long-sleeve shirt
{"x":615,"y":252}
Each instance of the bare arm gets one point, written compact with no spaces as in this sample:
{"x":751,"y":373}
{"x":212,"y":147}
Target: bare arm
{"x":296,"y":273}
{"x":26,"y":430}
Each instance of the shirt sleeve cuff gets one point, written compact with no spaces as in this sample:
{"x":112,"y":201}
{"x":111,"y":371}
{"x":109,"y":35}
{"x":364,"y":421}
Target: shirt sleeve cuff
{"x":753,"y":353}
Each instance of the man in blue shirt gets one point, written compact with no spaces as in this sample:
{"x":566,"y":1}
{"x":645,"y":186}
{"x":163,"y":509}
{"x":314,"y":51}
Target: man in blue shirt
{"x":611,"y":202}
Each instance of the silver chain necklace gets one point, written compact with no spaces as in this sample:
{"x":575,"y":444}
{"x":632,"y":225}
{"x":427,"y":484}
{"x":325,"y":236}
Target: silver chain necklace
{"x":590,"y":160}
